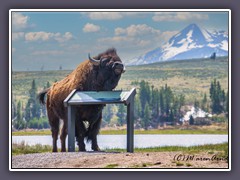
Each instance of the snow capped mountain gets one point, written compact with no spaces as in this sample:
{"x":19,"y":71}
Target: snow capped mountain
{"x":191,"y":42}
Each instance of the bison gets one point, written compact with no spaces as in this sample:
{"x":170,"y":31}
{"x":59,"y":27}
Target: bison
{"x":100,"y":73}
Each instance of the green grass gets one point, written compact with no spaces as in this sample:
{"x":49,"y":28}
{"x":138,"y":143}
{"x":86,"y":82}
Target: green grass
{"x":143,"y":165}
{"x":32,"y":133}
{"x":179,"y":164}
{"x":191,"y":149}
{"x":123,"y":132}
{"x":220,"y":149}
{"x":24,"y":148}
{"x":111,"y":166}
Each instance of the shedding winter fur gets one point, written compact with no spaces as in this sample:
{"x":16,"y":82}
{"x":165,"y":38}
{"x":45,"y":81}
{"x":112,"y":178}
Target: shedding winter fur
{"x":100,"y":73}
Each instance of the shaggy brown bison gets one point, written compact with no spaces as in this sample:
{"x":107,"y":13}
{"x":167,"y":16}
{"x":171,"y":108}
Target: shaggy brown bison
{"x":100,"y":73}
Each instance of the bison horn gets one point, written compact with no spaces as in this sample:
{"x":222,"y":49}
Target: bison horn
{"x":124,"y":69}
{"x":93,"y":61}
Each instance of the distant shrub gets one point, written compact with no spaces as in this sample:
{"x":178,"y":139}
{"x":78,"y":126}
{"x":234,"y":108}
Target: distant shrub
{"x":191,"y":120}
{"x":219,"y":119}
{"x":202,"y":121}
{"x":41,"y":123}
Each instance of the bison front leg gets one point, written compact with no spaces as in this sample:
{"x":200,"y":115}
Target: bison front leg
{"x":93,"y":132}
{"x":81,"y":144}
{"x":95,"y":144}
{"x":80,"y":132}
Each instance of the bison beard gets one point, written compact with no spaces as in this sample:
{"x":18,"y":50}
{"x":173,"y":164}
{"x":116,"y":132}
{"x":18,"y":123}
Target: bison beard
{"x":100,"y":73}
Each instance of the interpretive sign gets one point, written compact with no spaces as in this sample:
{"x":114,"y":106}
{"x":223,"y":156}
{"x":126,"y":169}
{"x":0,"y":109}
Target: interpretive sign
{"x":77,"y":98}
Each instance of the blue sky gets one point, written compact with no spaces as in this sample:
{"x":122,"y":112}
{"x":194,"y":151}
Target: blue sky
{"x":50,"y":39}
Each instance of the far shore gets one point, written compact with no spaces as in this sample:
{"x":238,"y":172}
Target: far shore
{"x":211,"y":129}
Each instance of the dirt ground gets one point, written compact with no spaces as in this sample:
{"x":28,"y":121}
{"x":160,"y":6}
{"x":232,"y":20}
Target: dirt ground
{"x":118,"y":160}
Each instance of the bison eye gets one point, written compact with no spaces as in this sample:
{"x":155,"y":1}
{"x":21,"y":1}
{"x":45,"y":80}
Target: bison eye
{"x":104,"y":61}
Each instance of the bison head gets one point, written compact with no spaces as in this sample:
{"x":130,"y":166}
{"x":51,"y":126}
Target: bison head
{"x":109,"y":69}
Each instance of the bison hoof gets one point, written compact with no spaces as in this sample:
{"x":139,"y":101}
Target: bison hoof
{"x":54,"y":151}
{"x":82,"y":149}
{"x":96,"y":149}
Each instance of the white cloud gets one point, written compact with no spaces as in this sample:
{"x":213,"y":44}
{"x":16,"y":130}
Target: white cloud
{"x":120,"y":41}
{"x":19,"y":21}
{"x":112,"y":15}
{"x":105,"y":15}
{"x":91,"y":28}
{"x":136,"y":30}
{"x":35,"y":36}
{"x":63,"y":38}
{"x":179,"y":16}
{"x":135,"y":36}
{"x":17,"y":35}
{"x":13,"y":49}
{"x":45,"y":36}
{"x":50,"y":52}
{"x":115,"y":39}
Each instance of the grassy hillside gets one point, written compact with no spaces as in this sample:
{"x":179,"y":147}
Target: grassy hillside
{"x":190,"y":77}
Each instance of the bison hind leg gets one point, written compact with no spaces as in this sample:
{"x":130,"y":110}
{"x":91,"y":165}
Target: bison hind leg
{"x":63,"y":136}
{"x":54,"y":123}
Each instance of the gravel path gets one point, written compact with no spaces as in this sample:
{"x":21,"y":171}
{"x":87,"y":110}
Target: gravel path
{"x":115,"y":160}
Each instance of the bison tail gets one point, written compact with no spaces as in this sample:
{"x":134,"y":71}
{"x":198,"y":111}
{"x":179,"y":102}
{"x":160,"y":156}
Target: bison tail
{"x":41,"y":95}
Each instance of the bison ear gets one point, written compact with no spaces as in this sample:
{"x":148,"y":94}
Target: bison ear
{"x":93,"y":61}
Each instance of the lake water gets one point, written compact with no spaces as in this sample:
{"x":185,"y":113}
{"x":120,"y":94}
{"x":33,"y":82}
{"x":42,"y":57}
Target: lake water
{"x":141,"y":141}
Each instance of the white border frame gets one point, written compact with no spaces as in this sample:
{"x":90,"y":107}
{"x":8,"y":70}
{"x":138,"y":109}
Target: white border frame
{"x":118,"y":10}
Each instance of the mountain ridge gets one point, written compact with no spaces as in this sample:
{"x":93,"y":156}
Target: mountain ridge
{"x":191,"y":42}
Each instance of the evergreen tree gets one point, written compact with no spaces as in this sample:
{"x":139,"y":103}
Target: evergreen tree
{"x":204,"y":102}
{"x":48,"y":85}
{"x":19,"y":122}
{"x":146,"y":117}
{"x":144,"y":94}
{"x":19,"y":111}
{"x":171,"y":117}
{"x":196,"y":105}
{"x":168,"y":96}
{"x":107,"y":113}
{"x":181,"y":104}
{"x":227,"y":105}
{"x":181,"y":101}
{"x":137,"y":108}
{"x":33,"y":108}
{"x":155,"y":107}
{"x":175,"y":111}
{"x":33,"y":90}
{"x":14,"y":109}
{"x":121,"y":115}
{"x":217,"y":96}
{"x":161,"y":101}
{"x":28,"y":114}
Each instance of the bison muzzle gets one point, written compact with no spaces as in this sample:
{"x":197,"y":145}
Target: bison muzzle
{"x":99,"y":73}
